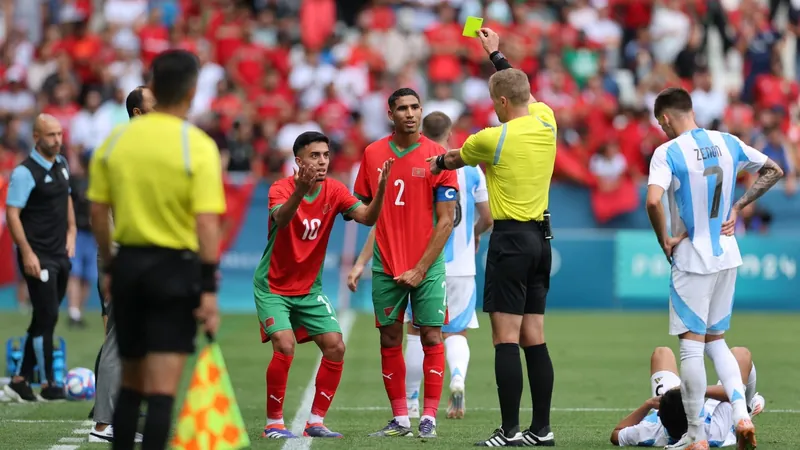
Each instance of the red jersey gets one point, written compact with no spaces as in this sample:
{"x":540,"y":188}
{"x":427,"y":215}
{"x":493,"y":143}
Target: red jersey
{"x":292,"y":262}
{"x":406,"y":222}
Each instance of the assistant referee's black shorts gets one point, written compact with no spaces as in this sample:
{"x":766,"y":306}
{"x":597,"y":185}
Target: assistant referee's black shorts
{"x":155,"y":292}
{"x":517,"y":268}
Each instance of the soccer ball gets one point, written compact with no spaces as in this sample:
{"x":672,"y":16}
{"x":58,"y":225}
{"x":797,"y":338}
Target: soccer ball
{"x":79,"y":384}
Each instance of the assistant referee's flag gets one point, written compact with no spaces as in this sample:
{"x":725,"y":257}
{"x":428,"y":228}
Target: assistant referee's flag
{"x":210,"y":418}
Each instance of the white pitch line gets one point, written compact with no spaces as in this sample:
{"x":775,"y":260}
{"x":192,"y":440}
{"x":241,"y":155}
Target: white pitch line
{"x":346,"y":320}
{"x":71,"y":443}
{"x":386,"y":408}
{"x":78,"y":422}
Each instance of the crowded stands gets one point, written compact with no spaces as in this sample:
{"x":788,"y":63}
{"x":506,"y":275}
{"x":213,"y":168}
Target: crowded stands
{"x":274,"y":68}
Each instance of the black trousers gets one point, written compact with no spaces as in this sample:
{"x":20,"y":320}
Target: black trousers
{"x":155,"y":292}
{"x":517,"y":268}
{"x":46,"y":298}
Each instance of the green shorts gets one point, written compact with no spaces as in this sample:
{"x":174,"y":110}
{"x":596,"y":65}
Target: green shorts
{"x":307,"y":315}
{"x":428,"y":300}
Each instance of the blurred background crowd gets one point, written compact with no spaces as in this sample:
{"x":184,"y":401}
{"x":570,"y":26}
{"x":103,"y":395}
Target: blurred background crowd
{"x":274,"y":68}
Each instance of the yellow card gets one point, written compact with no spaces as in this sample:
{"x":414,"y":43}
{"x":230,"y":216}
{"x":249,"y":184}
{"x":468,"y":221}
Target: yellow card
{"x":471,"y":26}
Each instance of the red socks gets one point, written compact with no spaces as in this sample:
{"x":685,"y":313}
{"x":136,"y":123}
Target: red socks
{"x":433,"y":373}
{"x":328,"y":377}
{"x":393,"y":368}
{"x":277,"y":376}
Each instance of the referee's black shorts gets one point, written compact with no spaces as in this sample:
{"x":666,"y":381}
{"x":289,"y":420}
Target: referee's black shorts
{"x":517,"y":268}
{"x":155,"y":292}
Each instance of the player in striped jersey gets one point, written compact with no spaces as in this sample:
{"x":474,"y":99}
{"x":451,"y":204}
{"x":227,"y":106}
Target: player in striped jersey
{"x":698,"y":170}
{"x":459,"y":255}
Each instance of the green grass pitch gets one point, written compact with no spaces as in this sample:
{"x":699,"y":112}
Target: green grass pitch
{"x":601,"y":362}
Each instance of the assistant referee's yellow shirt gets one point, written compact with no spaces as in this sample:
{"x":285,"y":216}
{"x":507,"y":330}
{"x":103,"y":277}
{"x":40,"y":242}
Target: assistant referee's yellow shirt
{"x":157,"y":173}
{"x":519,"y":157}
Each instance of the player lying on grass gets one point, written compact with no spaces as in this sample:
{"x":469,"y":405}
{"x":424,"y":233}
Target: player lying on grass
{"x":661,"y":420}
{"x":287,"y":282}
{"x":408,"y":264}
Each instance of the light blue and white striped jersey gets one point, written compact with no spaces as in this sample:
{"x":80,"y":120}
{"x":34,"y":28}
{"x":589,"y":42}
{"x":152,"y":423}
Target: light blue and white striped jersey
{"x":459,"y":252}
{"x":698,"y":169}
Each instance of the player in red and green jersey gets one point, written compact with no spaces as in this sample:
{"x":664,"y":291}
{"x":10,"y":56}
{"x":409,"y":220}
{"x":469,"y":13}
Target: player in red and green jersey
{"x":287,"y":282}
{"x":410,"y":234}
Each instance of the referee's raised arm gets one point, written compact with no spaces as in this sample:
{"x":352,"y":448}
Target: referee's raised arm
{"x":162,"y":178}
{"x":519,"y":156}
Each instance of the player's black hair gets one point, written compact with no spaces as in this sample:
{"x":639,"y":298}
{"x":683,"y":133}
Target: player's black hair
{"x":436,"y":125}
{"x":672,"y":98}
{"x":672,"y":414}
{"x":174,"y":74}
{"x":308,"y":138}
{"x":135,"y":100}
{"x":402,"y":92}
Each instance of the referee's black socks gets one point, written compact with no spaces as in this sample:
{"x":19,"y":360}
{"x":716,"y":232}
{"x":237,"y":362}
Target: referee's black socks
{"x":126,"y":418}
{"x":157,"y":423}
{"x":540,"y":377}
{"x":508,"y":375}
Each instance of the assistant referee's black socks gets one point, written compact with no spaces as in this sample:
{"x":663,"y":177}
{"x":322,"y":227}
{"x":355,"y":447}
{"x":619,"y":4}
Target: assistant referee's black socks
{"x":508,"y":375}
{"x":540,"y":377}
{"x":126,"y":418}
{"x":156,"y":426}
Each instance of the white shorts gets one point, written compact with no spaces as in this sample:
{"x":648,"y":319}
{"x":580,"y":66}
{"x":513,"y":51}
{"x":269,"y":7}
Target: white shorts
{"x":699,"y":303}
{"x":662,"y":381}
{"x":461,"y":300}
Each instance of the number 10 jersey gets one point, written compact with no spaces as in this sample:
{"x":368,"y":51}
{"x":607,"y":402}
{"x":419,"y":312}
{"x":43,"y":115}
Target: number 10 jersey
{"x":293,"y":261}
{"x":698,"y":170}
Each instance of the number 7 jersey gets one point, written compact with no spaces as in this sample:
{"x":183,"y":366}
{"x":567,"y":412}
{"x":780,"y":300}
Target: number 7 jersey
{"x":407,"y":219}
{"x":293,"y":260}
{"x":698,"y":170}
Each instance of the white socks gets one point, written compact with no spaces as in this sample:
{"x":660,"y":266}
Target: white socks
{"x":693,"y":386}
{"x":74,"y":313}
{"x":457,"y":354}
{"x":750,"y":387}
{"x":414,"y":356}
{"x":728,"y":371}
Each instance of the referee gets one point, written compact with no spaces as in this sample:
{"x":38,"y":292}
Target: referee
{"x":108,"y":365}
{"x":519,"y":156}
{"x":162,"y":178}
{"x":41,"y":220}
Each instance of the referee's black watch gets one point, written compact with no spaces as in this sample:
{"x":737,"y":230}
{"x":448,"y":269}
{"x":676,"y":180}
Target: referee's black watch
{"x":440,"y":162}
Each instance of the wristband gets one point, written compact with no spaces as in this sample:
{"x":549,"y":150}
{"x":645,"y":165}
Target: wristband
{"x":108,"y":266}
{"x":499,"y":61}
{"x":208,"y":277}
{"x":440,"y":162}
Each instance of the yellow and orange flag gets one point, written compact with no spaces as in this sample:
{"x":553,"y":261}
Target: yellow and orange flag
{"x":210,"y":418}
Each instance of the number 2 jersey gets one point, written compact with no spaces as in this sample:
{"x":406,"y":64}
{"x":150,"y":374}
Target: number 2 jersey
{"x":407,"y":219}
{"x":293,"y":260}
{"x":698,"y":170}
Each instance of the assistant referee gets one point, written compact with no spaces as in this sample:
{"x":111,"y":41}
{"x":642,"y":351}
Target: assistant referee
{"x":163,"y":180}
{"x":519,"y":156}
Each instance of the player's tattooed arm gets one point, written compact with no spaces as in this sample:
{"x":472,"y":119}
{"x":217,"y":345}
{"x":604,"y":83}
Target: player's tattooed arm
{"x":769,"y":174}
{"x":634,"y":418}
